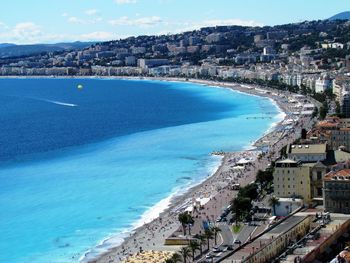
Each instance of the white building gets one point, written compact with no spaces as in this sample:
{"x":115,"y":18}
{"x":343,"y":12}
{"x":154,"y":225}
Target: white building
{"x":286,"y":206}
{"x":323,"y":83}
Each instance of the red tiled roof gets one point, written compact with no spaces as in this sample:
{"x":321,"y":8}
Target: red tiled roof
{"x":344,"y":172}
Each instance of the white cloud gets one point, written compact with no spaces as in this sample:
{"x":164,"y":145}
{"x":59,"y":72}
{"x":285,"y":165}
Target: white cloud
{"x":31,"y":33}
{"x":65,"y":14}
{"x":179,"y":27}
{"x":26,"y":30}
{"x":3,"y":26}
{"x":140,"y":22}
{"x":237,"y":22}
{"x":98,"y":35}
{"x":22,"y":32}
{"x":91,"y":12}
{"x":125,"y":2}
{"x":76,"y":20}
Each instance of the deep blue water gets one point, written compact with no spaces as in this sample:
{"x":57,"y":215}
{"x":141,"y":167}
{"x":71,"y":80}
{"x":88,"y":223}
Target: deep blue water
{"x":104,"y":109}
{"x":77,"y":166}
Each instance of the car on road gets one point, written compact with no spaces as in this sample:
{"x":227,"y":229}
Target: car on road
{"x":209,"y":255}
{"x":218,"y":219}
{"x":230,"y":247}
{"x":237,"y":241}
{"x":217,"y":250}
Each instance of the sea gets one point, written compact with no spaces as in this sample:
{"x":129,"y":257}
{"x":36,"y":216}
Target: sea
{"x":85,"y":161}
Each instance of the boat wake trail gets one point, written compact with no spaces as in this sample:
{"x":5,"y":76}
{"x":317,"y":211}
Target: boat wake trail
{"x":54,"y":102}
{"x":61,"y":103}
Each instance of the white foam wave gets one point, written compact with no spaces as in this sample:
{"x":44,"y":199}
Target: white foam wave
{"x":116,"y":239}
{"x":148,"y":216}
{"x":61,"y":103}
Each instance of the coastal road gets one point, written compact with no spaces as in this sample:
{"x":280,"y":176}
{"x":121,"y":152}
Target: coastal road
{"x":226,"y":234}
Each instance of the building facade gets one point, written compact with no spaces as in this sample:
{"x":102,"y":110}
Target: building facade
{"x":292,"y":180}
{"x":336,"y":191}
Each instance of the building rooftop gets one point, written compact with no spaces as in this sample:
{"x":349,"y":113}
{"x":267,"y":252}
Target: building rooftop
{"x":312,"y":244}
{"x":307,"y":149}
{"x":309,"y":105}
{"x":287,"y":161}
{"x":342,"y":175}
{"x":329,"y":122}
{"x":344,"y":129}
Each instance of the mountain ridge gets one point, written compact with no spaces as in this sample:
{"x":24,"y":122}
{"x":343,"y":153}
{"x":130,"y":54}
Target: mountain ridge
{"x":13,"y":50}
{"x":341,"y":16}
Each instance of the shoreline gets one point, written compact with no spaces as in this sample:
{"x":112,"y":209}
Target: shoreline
{"x":178,"y":201}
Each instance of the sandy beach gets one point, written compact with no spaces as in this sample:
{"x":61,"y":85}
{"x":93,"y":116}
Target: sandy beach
{"x":216,"y":188}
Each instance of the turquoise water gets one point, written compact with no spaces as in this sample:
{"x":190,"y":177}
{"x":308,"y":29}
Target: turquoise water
{"x":89,"y":164}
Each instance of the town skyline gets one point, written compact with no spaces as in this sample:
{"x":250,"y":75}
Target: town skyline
{"x":115,"y":19}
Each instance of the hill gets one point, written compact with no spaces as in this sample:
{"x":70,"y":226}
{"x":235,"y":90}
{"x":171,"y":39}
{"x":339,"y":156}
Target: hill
{"x":12,"y":50}
{"x":2,"y":45}
{"x":341,"y":16}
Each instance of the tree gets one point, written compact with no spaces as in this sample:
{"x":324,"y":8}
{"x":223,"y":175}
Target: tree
{"x":175,"y":258}
{"x":264,"y":177}
{"x":241,"y":206}
{"x":183,"y":220}
{"x":208,"y":235}
{"x":216,"y":231}
{"x":194,"y":246}
{"x":186,"y":220}
{"x":323,"y":111}
{"x":273,"y":202}
{"x":185,"y":252}
{"x":250,"y":191}
{"x":202,"y":240}
{"x":190,"y":222}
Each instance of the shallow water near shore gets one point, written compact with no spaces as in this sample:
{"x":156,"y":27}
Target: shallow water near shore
{"x":78,"y":166}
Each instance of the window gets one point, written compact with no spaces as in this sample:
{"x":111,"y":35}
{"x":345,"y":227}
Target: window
{"x":319,"y":175}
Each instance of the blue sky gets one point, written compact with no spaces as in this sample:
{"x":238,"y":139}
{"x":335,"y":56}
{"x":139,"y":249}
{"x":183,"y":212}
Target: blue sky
{"x":50,"y":21}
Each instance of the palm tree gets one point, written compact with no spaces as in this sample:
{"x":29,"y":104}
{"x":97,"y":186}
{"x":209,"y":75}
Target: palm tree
{"x":208,"y":235}
{"x":194,"y":245}
{"x":202,"y":240}
{"x":185,"y":252}
{"x":176,"y":258}
{"x":190,"y":222}
{"x":183,"y":220}
{"x":273,"y":202}
{"x":215,"y":230}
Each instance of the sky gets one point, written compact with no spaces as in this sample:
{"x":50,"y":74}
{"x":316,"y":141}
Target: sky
{"x":52,"y":21}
